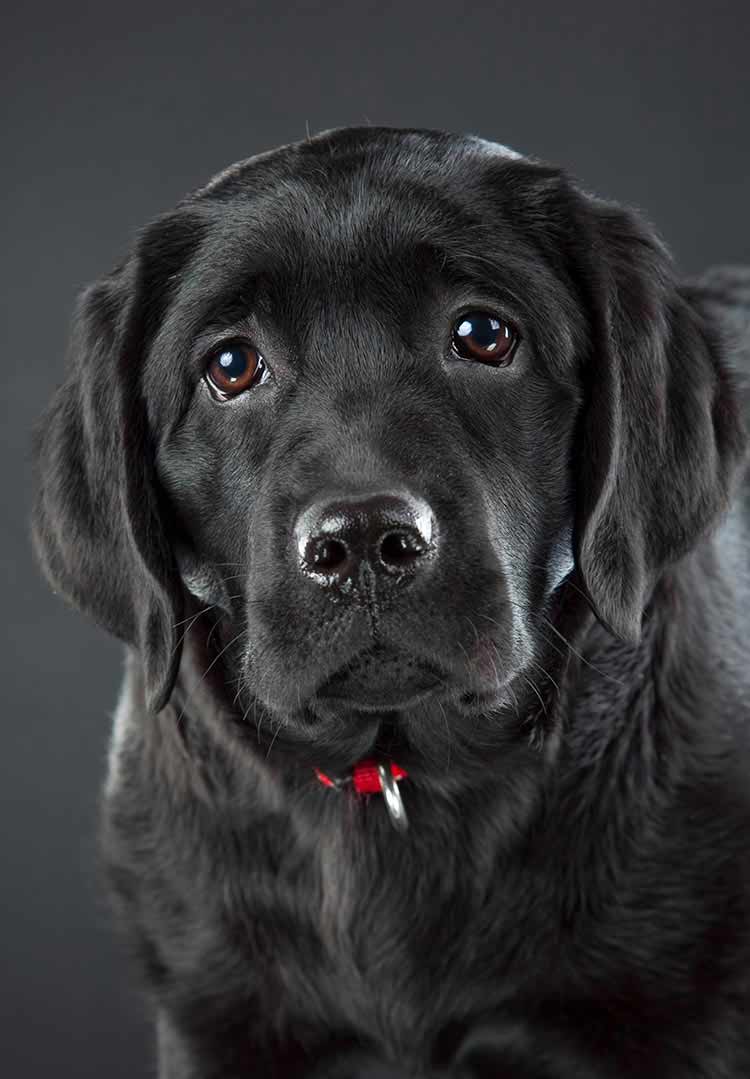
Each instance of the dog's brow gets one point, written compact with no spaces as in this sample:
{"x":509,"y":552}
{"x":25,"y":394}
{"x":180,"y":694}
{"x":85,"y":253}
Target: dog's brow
{"x":229,"y":308}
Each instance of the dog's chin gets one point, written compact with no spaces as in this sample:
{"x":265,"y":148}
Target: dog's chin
{"x":387,"y":703}
{"x":442,"y":739}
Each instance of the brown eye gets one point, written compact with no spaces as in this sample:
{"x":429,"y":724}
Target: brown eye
{"x":234,"y":369}
{"x":479,"y":335}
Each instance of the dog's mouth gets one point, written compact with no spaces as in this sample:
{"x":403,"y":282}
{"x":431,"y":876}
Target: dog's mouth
{"x":381,"y":678}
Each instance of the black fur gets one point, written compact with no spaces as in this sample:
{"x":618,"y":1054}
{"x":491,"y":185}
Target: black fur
{"x":572,"y":898}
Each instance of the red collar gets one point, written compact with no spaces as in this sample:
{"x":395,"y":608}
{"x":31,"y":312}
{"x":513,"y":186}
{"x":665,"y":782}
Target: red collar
{"x":369,"y":777}
{"x":365,"y":777}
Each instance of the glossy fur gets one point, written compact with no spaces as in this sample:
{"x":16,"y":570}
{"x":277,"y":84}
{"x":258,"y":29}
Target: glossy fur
{"x":572,"y":898}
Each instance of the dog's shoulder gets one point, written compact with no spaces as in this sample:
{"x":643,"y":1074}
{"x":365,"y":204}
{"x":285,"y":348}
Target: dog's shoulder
{"x":126,"y":722}
{"x":723,"y":293}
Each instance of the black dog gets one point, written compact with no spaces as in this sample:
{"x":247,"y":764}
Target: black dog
{"x":413,"y":480}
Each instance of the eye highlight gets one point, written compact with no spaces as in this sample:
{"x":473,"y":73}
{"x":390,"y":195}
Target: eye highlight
{"x":234,"y":368}
{"x":482,"y":336}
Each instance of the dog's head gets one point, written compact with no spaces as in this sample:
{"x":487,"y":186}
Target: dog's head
{"x":377,"y":399}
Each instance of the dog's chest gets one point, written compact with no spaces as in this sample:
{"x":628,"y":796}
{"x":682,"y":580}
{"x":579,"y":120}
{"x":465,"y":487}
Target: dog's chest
{"x":385,"y":936}
{"x":329,"y":929}
{"x":361,"y":923}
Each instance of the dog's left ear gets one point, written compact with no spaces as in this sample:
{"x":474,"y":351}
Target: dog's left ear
{"x":661,"y":434}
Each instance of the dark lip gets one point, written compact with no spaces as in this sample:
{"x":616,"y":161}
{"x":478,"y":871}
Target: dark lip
{"x":333,"y":694}
{"x":378,"y":704}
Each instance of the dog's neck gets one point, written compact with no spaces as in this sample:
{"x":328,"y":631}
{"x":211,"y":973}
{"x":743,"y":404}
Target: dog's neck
{"x":602,"y":732}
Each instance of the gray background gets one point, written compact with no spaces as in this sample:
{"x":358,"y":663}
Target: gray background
{"x":112,"y":112}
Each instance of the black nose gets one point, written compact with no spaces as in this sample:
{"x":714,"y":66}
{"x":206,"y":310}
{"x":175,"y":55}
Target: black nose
{"x":393,"y":534}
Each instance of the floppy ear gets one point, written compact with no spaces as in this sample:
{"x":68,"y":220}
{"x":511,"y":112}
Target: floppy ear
{"x":661,"y":436}
{"x":97,"y":524}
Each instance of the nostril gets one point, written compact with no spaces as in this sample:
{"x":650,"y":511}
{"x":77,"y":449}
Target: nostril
{"x":325,"y":553}
{"x":399,"y":549}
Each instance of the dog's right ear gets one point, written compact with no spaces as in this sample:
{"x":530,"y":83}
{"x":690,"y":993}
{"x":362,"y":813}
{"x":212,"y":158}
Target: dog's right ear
{"x":97,"y":524}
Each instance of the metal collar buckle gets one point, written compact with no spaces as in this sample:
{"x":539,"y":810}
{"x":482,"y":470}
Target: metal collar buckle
{"x":393,"y":800}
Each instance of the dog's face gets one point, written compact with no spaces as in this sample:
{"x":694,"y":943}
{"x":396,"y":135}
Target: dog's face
{"x":377,"y":400}
{"x":370,"y":453}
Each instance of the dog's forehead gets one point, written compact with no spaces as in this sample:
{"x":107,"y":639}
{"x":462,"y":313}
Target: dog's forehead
{"x":377,"y":218}
{"x":359,"y":198}
{"x":402,"y":148}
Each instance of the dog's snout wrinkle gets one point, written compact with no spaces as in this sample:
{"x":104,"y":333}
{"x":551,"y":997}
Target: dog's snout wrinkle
{"x":390,"y":534}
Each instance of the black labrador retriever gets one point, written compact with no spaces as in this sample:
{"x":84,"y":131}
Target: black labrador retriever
{"x":413,"y":479}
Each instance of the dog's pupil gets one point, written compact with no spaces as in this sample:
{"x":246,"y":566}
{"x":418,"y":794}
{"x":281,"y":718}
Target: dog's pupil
{"x":481,"y":335}
{"x":233,"y":362}
{"x":482,"y":330}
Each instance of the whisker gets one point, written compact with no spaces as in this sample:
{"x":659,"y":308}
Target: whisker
{"x":211,"y":631}
{"x":515,"y":701}
{"x":556,"y":631}
{"x":191,"y":622}
{"x":543,"y":636}
{"x":530,"y":683}
{"x":192,"y":617}
{"x":215,"y":660}
{"x":476,"y":631}
{"x":274,"y":737}
{"x":583,"y":659}
{"x":546,"y":674}
{"x":494,"y":664}
{"x":246,"y":713}
{"x":468,"y":661}
{"x":448,"y":731}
